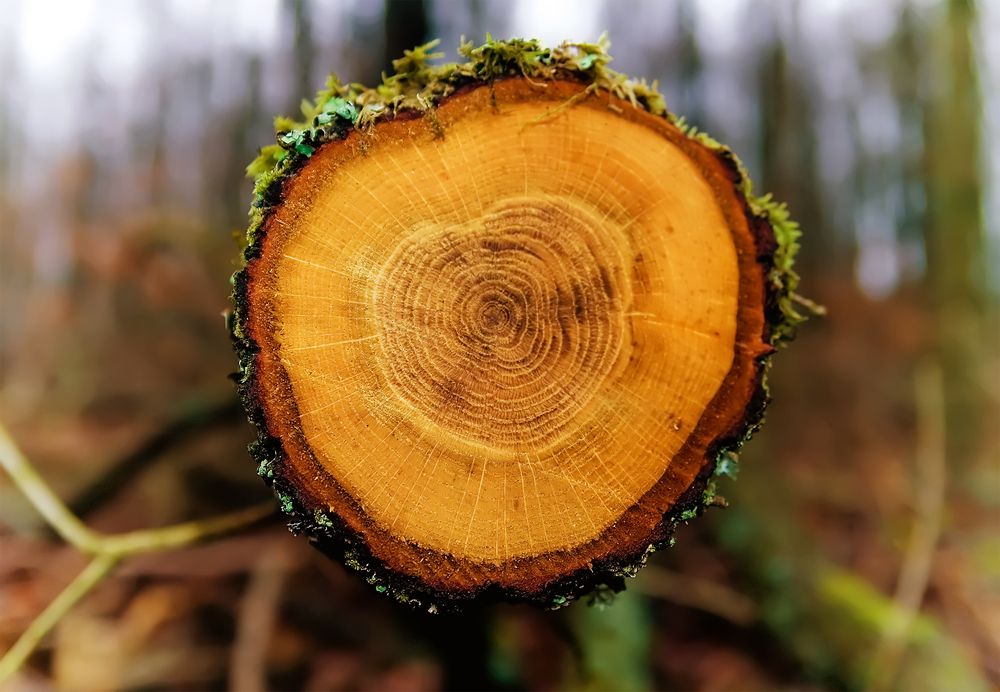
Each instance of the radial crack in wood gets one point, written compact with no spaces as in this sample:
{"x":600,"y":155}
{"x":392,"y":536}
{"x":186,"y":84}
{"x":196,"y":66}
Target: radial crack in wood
{"x":496,"y":351}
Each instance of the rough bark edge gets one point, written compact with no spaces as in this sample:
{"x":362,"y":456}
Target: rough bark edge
{"x":416,"y":89}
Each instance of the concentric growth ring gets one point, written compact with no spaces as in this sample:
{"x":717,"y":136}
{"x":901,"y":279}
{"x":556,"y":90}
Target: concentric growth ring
{"x":514,"y":320}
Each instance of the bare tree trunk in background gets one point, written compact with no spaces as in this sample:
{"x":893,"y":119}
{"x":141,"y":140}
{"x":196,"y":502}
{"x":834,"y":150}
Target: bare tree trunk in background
{"x":953,"y":232}
{"x":303,"y":51}
{"x":788,"y":150}
{"x":241,"y":147}
{"x":689,"y":67}
{"x":405,"y":27}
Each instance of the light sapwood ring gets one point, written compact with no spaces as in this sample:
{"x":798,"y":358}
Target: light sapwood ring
{"x":498,"y":350}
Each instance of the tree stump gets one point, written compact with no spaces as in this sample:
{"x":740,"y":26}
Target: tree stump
{"x":500,"y":322}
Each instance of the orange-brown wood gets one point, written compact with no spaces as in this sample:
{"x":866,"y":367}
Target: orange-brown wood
{"x":502,"y":343}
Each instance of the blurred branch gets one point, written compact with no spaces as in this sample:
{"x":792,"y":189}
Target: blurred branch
{"x":258,"y":613}
{"x":913,"y":576}
{"x":182,"y":429}
{"x":108,"y":551}
{"x":695,"y":592}
{"x":98,"y":568}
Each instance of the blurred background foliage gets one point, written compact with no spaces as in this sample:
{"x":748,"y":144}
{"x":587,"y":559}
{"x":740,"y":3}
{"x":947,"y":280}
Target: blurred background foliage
{"x":861,"y":549}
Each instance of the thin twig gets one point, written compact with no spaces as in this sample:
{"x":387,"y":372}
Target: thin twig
{"x":108,"y":551}
{"x":180,"y":535}
{"x":54,"y":511}
{"x":810,"y":305}
{"x":98,"y":568}
{"x":919,"y":557}
{"x":695,"y":592}
{"x":258,"y":615}
{"x":76,"y":533}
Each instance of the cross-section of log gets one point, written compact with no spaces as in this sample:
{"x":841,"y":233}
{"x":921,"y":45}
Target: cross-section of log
{"x":495,"y":343}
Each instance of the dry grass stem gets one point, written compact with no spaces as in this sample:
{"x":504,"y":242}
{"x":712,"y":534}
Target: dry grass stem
{"x":108,"y":551}
{"x":917,"y":562}
{"x":258,"y":614}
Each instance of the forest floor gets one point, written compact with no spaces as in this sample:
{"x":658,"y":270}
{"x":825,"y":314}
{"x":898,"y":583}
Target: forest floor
{"x":814,"y":538}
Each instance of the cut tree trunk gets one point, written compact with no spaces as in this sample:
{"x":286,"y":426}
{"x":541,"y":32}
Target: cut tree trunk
{"x":497,"y":328}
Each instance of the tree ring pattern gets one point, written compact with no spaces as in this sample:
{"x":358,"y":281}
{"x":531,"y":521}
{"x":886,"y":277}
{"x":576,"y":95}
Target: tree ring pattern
{"x":500,"y":331}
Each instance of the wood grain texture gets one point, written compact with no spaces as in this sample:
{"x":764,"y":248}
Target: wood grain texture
{"x":499,"y":349}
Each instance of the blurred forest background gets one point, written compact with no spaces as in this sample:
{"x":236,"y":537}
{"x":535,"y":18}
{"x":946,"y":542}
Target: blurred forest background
{"x":124,"y":132}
